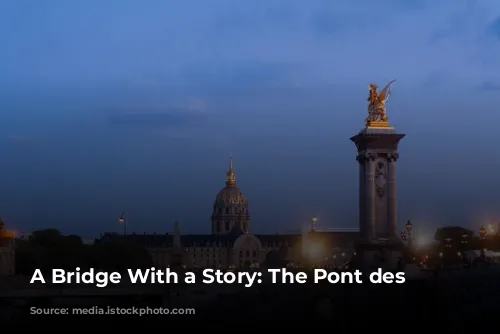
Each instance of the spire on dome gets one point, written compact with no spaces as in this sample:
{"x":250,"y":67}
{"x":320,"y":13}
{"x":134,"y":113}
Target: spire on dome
{"x":231,"y":175}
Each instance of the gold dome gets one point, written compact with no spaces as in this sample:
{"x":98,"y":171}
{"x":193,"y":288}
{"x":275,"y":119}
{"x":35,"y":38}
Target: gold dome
{"x":230,"y":194}
{"x":230,"y":213}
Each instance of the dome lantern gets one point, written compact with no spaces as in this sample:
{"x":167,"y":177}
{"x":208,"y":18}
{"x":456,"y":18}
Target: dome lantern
{"x":231,"y":175}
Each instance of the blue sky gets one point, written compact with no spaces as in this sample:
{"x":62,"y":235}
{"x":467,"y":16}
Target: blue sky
{"x":110,"y":106}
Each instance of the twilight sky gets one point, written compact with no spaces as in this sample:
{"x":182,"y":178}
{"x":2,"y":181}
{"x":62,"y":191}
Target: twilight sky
{"x":130,"y":105}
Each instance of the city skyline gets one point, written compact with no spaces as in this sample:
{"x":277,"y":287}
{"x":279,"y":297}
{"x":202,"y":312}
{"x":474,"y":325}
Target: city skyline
{"x":105,"y":110}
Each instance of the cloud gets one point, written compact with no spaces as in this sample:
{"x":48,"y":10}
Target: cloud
{"x":240,"y":75}
{"x":494,"y":28}
{"x":193,"y":105}
{"x":20,"y":139}
{"x":170,"y":118}
{"x":489,"y":86}
{"x":255,"y":43}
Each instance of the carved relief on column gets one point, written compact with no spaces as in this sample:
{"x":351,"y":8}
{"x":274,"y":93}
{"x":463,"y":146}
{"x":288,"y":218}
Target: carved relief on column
{"x":392,"y":194}
{"x":369,"y":193}
{"x":392,"y":157}
{"x":380,"y":178}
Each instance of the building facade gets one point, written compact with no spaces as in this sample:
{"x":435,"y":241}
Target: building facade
{"x":232,"y":245}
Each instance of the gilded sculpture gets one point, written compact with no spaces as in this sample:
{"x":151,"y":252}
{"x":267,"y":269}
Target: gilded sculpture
{"x":377,"y":115}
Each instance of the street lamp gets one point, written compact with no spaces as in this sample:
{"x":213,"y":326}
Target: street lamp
{"x":313,"y":223}
{"x":408,"y":234}
{"x":409,"y":226}
{"x":465,"y":236}
{"x":482,"y":233}
{"x":448,"y":242}
{"x":482,"y":237}
{"x":123,"y":220}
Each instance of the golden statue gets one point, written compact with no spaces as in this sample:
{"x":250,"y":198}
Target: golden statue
{"x":377,"y":116}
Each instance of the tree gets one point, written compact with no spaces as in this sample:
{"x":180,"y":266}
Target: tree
{"x":275,"y":259}
{"x":455,"y":233}
{"x":48,"y":249}
{"x":119,"y":254}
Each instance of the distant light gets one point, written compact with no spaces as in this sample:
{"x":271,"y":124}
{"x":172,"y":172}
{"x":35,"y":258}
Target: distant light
{"x":422,"y":240}
{"x":315,"y":250}
{"x":491,"y":228}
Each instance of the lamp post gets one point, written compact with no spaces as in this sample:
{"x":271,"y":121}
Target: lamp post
{"x":408,"y":234}
{"x":448,"y":242}
{"x":313,"y":223}
{"x":464,"y":240}
{"x":482,"y":237}
{"x":482,"y":233}
{"x":123,"y":220}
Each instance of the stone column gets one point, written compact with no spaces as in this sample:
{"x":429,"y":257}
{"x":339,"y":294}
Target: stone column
{"x":392,"y":196}
{"x":370,"y":197}
{"x":362,"y":215}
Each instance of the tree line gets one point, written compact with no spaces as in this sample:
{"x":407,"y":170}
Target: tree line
{"x":48,"y":249}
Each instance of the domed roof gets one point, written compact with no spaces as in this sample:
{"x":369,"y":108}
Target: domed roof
{"x":246,"y":241}
{"x":230,"y":194}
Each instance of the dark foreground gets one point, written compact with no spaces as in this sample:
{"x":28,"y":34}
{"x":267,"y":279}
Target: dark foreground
{"x":454,"y":305}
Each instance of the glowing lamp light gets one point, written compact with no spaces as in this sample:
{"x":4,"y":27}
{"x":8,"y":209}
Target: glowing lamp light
{"x":315,"y":250}
{"x":122,"y":218}
{"x":422,"y":240}
{"x":491,"y":228}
